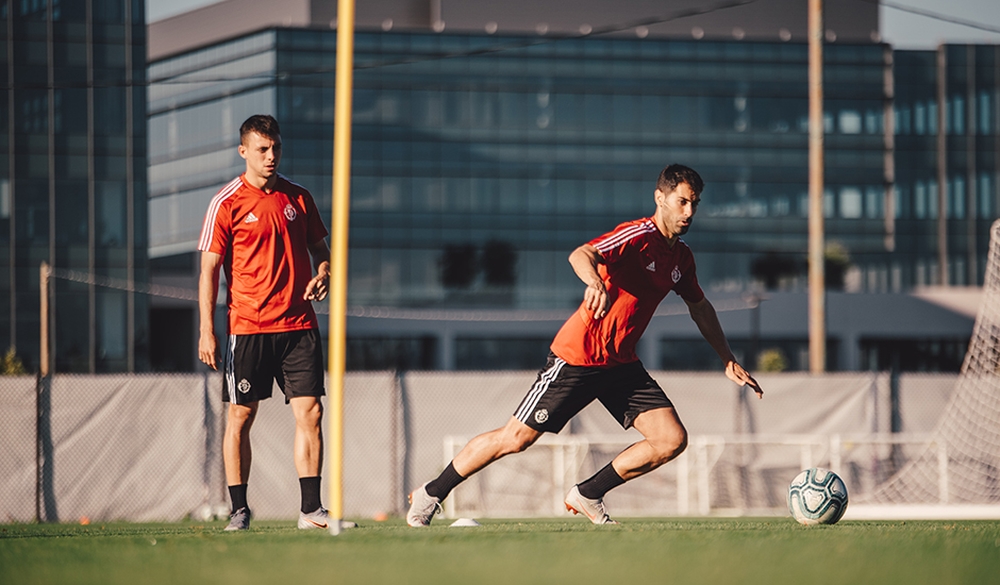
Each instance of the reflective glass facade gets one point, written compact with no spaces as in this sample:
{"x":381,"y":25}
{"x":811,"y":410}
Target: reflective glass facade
{"x":73,"y":180}
{"x":947,"y":155}
{"x":480,"y":161}
{"x":472,"y":149}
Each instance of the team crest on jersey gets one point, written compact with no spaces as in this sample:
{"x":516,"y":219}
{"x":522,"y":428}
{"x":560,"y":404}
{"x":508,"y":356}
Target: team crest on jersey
{"x":675,"y":274}
{"x":290,"y":212}
{"x":243,"y":386}
{"x":541,"y":415}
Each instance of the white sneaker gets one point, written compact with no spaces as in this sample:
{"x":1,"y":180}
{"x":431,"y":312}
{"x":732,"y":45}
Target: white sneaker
{"x":239,"y":520}
{"x":320,"y":518}
{"x":593,"y":509}
{"x":422,"y":507}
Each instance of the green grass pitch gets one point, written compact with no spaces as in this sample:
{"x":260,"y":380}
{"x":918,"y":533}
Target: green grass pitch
{"x":770,"y":551}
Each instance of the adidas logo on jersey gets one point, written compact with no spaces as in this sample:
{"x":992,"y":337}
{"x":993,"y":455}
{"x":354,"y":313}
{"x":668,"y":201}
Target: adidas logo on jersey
{"x":250,"y":218}
{"x":652,"y":266}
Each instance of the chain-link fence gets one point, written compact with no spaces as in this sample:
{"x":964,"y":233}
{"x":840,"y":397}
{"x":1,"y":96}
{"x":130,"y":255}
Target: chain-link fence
{"x":148,"y":447}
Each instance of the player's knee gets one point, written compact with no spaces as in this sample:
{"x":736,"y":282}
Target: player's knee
{"x":311,"y":415}
{"x":671,"y":444}
{"x":239,"y":416}
{"x":517,"y":441}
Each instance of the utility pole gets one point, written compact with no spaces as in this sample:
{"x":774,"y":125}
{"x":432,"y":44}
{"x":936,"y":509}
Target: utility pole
{"x":43,"y":287}
{"x":817,"y":284}
{"x":942,"y":165}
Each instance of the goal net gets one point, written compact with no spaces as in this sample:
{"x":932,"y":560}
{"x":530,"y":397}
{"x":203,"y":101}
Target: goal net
{"x":961,"y":464}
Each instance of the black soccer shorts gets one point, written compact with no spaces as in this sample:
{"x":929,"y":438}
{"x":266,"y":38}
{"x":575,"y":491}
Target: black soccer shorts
{"x":253,"y":363}
{"x":561,"y":391}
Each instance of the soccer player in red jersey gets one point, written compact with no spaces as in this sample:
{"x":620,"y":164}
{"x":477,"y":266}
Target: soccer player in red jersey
{"x":266,"y":234}
{"x":627,"y":272}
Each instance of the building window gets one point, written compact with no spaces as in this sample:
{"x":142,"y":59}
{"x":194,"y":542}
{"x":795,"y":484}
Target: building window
{"x":851,"y":203}
{"x":913,"y":355}
{"x":391,"y":353}
{"x":499,"y":353}
{"x":985,"y":195}
{"x":957,"y":115}
{"x":850,"y":122}
{"x":983,"y":110}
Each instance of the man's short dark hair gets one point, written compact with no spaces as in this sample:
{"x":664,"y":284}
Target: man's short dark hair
{"x":262,"y":124}
{"x":675,"y":174}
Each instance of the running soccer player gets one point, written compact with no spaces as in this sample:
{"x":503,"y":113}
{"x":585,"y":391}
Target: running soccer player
{"x":263,"y":230}
{"x":627,"y":272}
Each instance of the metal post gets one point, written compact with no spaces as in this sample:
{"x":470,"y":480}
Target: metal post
{"x":817,"y":283}
{"x":43,"y":373}
{"x":971,"y":188}
{"x":942,"y":166}
{"x":43,"y":288}
{"x":338,"y":256}
{"x":889,"y":158}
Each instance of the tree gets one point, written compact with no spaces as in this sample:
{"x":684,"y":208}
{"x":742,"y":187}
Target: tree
{"x":11,"y":365}
{"x":459,"y":266}
{"x":499,"y":260}
{"x":836,"y":261}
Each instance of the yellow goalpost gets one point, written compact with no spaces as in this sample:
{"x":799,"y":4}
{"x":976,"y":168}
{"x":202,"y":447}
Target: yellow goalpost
{"x":338,"y":256}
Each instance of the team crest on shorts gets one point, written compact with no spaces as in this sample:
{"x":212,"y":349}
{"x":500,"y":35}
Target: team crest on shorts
{"x":290,"y":212}
{"x":541,"y":415}
{"x":243,"y":386}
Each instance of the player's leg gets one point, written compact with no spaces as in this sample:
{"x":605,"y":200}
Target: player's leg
{"x":486,"y":448}
{"x":634,"y":399}
{"x":300,"y":377}
{"x":514,"y":437}
{"x":236,"y":457}
{"x":308,"y":455}
{"x":243,"y":389}
{"x":236,"y":452}
{"x":664,"y":439}
{"x":308,"y":445}
{"x":553,"y":399}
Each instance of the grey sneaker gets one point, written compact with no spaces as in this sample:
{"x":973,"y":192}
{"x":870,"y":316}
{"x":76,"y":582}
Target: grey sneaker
{"x":422,"y":507}
{"x":593,"y":509}
{"x":320,"y":518}
{"x":240,"y":519}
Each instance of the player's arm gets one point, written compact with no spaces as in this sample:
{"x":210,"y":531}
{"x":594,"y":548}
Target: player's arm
{"x":585,"y":261}
{"x":208,"y":294}
{"x":319,"y":285}
{"x":705,"y":317}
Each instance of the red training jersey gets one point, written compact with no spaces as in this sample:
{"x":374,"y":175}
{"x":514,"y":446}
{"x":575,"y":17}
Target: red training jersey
{"x":264,"y":240}
{"x":639,"y":269}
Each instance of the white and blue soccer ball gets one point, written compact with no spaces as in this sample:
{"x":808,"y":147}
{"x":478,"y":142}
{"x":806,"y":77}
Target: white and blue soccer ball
{"x":817,"y":496}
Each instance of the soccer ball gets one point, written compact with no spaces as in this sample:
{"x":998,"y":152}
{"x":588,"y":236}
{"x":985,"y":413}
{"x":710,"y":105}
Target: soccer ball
{"x":817,"y":496}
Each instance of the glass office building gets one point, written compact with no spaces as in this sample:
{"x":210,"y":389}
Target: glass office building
{"x":73,"y":181}
{"x":947,"y":153}
{"x":480,"y":161}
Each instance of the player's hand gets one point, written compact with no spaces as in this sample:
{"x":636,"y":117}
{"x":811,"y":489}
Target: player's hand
{"x":738,"y":374}
{"x":317,"y":288}
{"x":595,"y":299}
{"x":208,"y":350}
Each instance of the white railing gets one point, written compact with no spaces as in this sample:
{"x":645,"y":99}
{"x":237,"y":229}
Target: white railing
{"x":692,"y":472}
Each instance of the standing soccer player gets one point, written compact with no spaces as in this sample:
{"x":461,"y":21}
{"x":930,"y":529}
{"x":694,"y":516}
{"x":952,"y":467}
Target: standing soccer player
{"x":262,"y":230}
{"x":627,"y":272}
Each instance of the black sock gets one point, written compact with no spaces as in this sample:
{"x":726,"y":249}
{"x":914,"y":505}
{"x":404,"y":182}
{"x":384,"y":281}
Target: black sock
{"x":447,"y":481}
{"x":238,"y":493}
{"x":310,"y":494}
{"x":601,"y":483}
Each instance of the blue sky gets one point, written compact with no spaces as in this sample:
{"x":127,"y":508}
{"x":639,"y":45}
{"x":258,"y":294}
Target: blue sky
{"x":901,"y":29}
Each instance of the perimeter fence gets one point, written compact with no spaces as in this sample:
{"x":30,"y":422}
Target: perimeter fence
{"x":148,"y":447}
